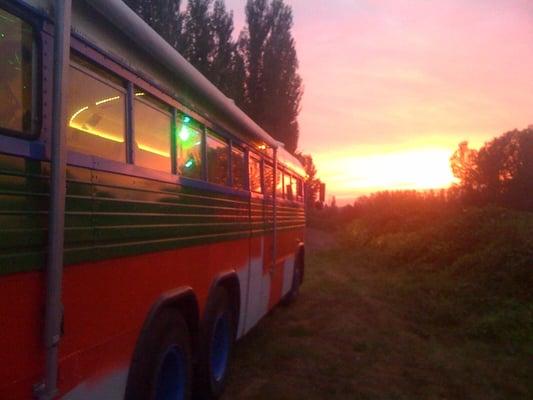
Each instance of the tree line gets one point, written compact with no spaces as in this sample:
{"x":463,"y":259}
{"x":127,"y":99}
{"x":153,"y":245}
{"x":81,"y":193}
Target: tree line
{"x":258,"y":68}
{"x":499,"y":174}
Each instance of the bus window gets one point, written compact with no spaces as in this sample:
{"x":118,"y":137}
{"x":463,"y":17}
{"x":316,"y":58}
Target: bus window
{"x":189,"y":147}
{"x":288,"y":186}
{"x":152,"y":122}
{"x":16,"y":70}
{"x":294,"y":189}
{"x":96,"y":114}
{"x":299,"y":189}
{"x":255,"y":175}
{"x":237,"y":168}
{"x":279,"y":183}
{"x":217,"y":160}
{"x":269,"y":180}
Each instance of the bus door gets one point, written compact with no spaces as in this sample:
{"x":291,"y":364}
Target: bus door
{"x":259,"y":276}
{"x":276,"y":274}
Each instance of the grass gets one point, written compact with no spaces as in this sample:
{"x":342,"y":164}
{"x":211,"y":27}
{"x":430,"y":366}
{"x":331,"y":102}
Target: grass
{"x":443,"y":311}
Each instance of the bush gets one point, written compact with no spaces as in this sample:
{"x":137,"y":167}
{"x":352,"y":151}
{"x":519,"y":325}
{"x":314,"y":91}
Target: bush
{"x":469,"y":268}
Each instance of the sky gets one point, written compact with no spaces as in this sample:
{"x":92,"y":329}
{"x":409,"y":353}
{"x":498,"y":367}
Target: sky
{"x":392,"y":86}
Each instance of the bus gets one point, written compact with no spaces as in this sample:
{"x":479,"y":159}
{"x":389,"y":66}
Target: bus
{"x":147,"y":223}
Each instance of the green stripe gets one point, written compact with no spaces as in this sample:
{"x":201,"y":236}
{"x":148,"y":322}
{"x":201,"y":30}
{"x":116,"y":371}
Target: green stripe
{"x":111,"y":215}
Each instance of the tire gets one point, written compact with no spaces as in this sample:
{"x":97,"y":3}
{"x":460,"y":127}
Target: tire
{"x":218,"y":337}
{"x":161,"y":368}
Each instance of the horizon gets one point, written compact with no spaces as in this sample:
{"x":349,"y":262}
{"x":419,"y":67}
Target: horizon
{"x":387,"y":82}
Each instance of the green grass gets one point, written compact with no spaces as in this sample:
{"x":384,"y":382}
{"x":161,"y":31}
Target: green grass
{"x":438,"y":311}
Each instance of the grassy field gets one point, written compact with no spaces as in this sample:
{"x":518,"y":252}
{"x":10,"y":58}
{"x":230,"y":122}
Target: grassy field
{"x":439,"y":310}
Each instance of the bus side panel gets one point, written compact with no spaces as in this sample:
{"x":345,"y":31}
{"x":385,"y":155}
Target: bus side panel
{"x":23,"y":222}
{"x":127,"y":240}
{"x":106,"y":303}
{"x":259,"y":286}
{"x":290,"y":232}
{"x":21,"y":342}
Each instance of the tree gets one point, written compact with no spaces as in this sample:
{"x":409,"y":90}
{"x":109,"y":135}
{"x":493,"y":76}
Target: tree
{"x":273,"y":86}
{"x":500,"y":172}
{"x":283,"y":85}
{"x":252,"y":44}
{"x":198,"y":42}
{"x":163,"y":16}
{"x":226,"y":70}
{"x":464,"y":167}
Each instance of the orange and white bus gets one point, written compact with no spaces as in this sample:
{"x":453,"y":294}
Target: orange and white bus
{"x":146,"y":221}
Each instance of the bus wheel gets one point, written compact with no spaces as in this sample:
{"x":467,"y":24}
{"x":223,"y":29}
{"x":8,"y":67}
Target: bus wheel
{"x":218,"y":339}
{"x":162,"y":365}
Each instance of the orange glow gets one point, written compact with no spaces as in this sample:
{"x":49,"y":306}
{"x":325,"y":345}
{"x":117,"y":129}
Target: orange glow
{"x":421,"y":169}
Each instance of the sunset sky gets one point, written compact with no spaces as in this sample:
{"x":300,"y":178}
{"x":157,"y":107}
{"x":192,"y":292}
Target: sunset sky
{"x":392,"y":86}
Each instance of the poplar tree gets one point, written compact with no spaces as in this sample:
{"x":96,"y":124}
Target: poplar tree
{"x":163,"y":16}
{"x":226,"y":69}
{"x":252,"y":45}
{"x":273,"y":86}
{"x":282,"y":83}
{"x":198,"y":42}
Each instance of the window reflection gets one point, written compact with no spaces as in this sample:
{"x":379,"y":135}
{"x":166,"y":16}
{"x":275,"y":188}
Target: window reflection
{"x":237,"y":168}
{"x":217,"y":160}
{"x":16,"y":69}
{"x":279,"y":183}
{"x":152,"y":123}
{"x":255,"y":175}
{"x":288,"y":186}
{"x":269,"y":179}
{"x":189,"y":147}
{"x":96,"y":116}
{"x":293,"y":188}
{"x":300,"y":189}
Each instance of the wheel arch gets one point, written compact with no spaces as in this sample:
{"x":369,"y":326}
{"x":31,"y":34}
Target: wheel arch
{"x":182,"y":300}
{"x":228,"y":280}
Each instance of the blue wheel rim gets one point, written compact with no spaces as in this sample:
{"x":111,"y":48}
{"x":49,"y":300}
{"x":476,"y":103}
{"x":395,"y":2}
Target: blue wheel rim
{"x":220,"y":347}
{"x":172,"y":375}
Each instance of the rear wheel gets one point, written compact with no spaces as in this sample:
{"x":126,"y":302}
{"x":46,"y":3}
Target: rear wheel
{"x":217,"y":344}
{"x":162,"y":368}
{"x":171,"y":381}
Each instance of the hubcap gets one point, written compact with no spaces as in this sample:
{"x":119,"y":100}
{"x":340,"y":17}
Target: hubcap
{"x":220,"y":345}
{"x":172,"y":376}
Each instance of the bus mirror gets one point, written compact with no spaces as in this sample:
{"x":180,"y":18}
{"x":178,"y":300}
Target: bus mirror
{"x":322,"y":195}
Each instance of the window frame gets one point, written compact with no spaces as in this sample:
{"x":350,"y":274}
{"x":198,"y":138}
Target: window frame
{"x":37,"y":71}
